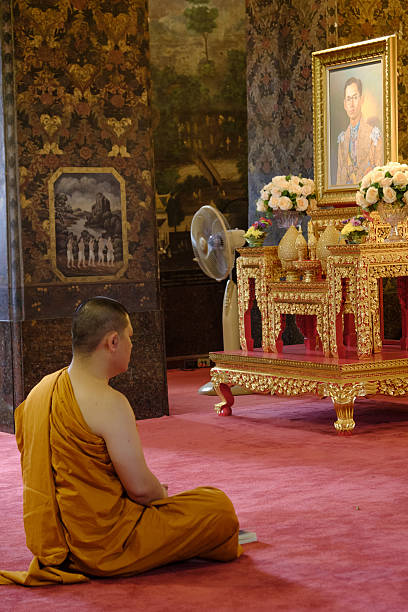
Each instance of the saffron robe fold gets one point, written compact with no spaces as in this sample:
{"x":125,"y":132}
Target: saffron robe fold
{"x":78,"y":519}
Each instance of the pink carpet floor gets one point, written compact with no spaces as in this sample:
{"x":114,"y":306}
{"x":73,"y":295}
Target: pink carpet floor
{"x":330,"y":512}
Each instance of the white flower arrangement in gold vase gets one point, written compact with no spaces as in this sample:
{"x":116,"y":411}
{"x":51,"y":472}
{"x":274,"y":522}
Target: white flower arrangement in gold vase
{"x":385,"y":190}
{"x":286,"y":198}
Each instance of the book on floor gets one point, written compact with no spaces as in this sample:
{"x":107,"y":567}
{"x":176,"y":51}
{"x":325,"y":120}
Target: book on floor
{"x":246,"y":536}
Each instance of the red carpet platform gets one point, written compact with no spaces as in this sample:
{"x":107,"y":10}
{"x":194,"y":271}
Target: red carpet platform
{"x":330,"y":512}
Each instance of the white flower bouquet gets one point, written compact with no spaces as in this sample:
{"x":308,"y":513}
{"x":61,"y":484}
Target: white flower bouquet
{"x":287,"y":193}
{"x":387,"y":184}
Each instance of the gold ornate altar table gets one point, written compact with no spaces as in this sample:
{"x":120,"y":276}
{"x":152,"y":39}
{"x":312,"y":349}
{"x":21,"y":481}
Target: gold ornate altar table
{"x":295,"y":373}
{"x":353,"y":274}
{"x":257,"y":268}
{"x":344,"y":308}
{"x":306,"y":299}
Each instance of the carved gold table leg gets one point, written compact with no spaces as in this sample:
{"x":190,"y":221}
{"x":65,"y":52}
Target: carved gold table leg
{"x":223,"y":391}
{"x":345,"y":422}
{"x":343,"y":397}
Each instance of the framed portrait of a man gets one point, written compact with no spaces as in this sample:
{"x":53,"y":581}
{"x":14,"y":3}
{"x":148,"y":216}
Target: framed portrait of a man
{"x":354,"y":115}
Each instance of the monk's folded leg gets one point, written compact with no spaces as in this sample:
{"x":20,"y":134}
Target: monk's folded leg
{"x":215,"y":528}
{"x":198,"y":523}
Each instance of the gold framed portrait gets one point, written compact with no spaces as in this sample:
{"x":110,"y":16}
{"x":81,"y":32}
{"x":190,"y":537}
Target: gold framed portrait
{"x":355,"y":115}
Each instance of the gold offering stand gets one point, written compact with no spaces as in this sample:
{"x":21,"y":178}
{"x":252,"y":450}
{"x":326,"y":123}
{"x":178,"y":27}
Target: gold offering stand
{"x":339,"y":313}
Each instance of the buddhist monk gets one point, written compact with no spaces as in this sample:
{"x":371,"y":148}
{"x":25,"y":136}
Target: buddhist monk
{"x":92,"y":506}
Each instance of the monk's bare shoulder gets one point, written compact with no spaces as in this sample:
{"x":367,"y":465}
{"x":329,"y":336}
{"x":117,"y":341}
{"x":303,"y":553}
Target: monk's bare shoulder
{"x":105,"y":410}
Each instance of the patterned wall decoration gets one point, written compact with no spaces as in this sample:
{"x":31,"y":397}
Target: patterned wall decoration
{"x":200,"y":126}
{"x":76,"y":83}
{"x":282,"y":34}
{"x":82,"y":80}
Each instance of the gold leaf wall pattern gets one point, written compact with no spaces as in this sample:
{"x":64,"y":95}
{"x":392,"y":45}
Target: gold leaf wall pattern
{"x":82,"y":81}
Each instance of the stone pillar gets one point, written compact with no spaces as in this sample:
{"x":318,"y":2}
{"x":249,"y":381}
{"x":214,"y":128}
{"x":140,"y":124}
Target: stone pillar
{"x":75,"y":115}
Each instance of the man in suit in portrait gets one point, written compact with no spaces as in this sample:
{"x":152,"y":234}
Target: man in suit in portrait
{"x":360,"y":146}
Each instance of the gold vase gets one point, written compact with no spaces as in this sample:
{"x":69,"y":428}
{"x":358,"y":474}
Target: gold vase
{"x":330,"y":237}
{"x":301,"y":246}
{"x":393,"y":215}
{"x":287,"y":253}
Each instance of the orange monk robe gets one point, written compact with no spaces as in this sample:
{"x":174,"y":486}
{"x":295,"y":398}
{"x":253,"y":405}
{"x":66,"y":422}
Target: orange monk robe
{"x":78,"y":519}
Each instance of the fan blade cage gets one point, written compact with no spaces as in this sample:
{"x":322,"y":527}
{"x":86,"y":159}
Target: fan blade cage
{"x":211,"y":243}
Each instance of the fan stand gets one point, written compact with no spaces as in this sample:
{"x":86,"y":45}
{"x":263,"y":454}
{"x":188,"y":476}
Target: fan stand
{"x":230,"y":326}
{"x":210,"y":234}
{"x":208,"y":389}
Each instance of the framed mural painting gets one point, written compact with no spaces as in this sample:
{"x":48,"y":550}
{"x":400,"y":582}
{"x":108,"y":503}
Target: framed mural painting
{"x":354,"y":115}
{"x":88,"y":224}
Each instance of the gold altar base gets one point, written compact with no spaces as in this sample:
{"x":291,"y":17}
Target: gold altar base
{"x":294,"y":372}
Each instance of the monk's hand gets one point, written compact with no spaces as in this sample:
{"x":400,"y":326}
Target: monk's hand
{"x":165,"y":489}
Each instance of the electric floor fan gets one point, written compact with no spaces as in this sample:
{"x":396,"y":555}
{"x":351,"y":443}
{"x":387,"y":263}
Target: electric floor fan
{"x":214,"y":245}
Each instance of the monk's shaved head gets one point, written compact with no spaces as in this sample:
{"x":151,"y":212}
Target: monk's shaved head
{"x":95,"y":318}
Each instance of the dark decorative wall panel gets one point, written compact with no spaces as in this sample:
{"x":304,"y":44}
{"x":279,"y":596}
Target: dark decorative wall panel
{"x":82,"y":85}
{"x":80,"y":71}
{"x":281,"y":38}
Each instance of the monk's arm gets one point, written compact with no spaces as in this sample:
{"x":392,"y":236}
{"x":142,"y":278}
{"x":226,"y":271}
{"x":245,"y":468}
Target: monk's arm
{"x":125,"y":450}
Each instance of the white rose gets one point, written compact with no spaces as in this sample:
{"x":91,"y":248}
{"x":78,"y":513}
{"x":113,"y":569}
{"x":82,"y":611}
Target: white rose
{"x":261,"y":206}
{"x":265,"y":194}
{"x":294,"y":188}
{"x":372,"y":195}
{"x":400,"y":179}
{"x":386,"y":182}
{"x":273,"y":203}
{"x":393,"y":168}
{"x":366,"y":181}
{"x":285,"y":203}
{"x":276,"y":193}
{"x":360,"y":200}
{"x":281,"y":182}
{"x":405,"y":197}
{"x":301,"y":204}
{"x":389,"y":195}
{"x":306,"y":189}
{"x":377,"y":176}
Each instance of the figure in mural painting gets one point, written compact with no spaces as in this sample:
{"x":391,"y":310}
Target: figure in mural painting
{"x":91,"y":255}
{"x":360,"y":146}
{"x":70,"y":254}
{"x":81,"y":253}
{"x":101,"y":247}
{"x":110,"y":257}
